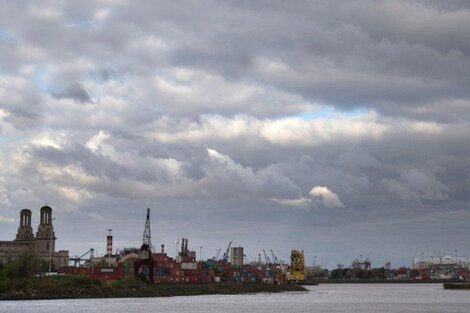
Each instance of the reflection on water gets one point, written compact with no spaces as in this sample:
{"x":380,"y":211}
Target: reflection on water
{"x":367,"y":298}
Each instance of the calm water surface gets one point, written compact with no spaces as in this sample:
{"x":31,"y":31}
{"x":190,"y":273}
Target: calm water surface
{"x":368,"y":298}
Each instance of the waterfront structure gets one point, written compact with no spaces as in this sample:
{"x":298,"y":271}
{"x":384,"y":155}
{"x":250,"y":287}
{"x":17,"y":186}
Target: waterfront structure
{"x":42,"y":244}
{"x":297,"y":267}
{"x":236,"y":256}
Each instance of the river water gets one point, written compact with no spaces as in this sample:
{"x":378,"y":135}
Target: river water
{"x":368,"y":298}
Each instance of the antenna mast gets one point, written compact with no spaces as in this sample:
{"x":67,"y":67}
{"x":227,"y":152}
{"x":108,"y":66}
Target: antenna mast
{"x":147,"y":238}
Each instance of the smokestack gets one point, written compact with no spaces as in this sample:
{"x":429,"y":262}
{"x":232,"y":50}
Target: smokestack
{"x":109,"y":243}
{"x":163,"y":248}
{"x":186,"y":247}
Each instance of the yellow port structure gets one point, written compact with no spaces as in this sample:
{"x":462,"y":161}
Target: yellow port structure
{"x":297,"y":266}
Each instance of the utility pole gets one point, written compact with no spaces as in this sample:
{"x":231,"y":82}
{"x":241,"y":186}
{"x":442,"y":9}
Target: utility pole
{"x":50,"y":249}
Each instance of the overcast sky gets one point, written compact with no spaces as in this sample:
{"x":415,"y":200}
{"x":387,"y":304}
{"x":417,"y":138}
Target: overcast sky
{"x":338,"y":127}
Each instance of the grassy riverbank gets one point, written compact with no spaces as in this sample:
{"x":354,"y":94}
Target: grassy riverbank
{"x":19,"y":281}
{"x":69,"y":287}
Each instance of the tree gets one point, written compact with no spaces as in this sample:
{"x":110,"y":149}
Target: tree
{"x":378,"y":273}
{"x":26,"y":266}
{"x":336,"y":274}
{"x":360,"y":273}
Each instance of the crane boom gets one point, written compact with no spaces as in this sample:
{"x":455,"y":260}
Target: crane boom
{"x":266,"y":258}
{"x":275,"y":259}
{"x":147,"y":236}
{"x":217,"y":253}
{"x":227,"y":252}
{"x":76,"y":261}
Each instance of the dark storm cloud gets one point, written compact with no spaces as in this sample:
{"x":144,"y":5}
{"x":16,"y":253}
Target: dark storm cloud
{"x":22,"y":119}
{"x":230,"y":114}
{"x":73,"y":91}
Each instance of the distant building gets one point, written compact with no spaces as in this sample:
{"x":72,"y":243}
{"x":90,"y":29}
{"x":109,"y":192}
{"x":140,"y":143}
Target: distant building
{"x":442,"y":260}
{"x":236,"y":256}
{"x":42,"y":245}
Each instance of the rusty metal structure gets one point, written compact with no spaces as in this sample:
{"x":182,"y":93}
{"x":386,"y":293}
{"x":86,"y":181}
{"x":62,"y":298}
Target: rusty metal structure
{"x":364,"y":265}
{"x":143,"y":267}
{"x":297,"y":266}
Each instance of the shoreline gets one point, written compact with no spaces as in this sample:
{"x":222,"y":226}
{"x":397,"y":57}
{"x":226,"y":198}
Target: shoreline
{"x":414,"y":281}
{"x":92,"y":292}
{"x":457,"y":286}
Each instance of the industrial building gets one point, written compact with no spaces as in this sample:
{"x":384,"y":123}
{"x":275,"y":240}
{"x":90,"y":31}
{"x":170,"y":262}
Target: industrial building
{"x":42,"y":244}
{"x":158,"y":267}
{"x":236,"y":256}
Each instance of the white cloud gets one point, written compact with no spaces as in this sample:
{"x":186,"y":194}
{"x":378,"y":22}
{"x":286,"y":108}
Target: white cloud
{"x":284,"y":131}
{"x":292,"y":202}
{"x":318,"y":194}
{"x":6,"y":219}
{"x":54,"y":139}
{"x":327,"y":197}
{"x":95,"y":143}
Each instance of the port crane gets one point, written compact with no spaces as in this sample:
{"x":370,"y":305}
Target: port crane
{"x":227,"y":252}
{"x":275,"y":259}
{"x":76,"y":261}
{"x":266,"y":258}
{"x":147,"y":236}
{"x":217,"y":253}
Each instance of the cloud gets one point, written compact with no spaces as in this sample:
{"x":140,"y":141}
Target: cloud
{"x":416,"y":185}
{"x":73,"y":91}
{"x":328,"y":198}
{"x":292,"y":202}
{"x":6,"y":219}
{"x":225,"y":114}
{"x":319,"y":195}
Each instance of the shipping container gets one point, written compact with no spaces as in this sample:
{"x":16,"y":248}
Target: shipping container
{"x":189,"y":266}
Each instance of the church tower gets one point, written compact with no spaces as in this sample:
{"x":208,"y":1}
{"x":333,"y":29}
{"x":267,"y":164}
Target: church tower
{"x":45,"y":236}
{"x":25,"y":231}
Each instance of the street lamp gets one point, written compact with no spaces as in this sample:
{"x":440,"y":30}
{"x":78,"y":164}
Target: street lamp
{"x":50,"y":248}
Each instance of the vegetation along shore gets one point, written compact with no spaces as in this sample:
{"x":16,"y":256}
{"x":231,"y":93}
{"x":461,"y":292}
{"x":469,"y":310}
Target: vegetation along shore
{"x":19,"y":281}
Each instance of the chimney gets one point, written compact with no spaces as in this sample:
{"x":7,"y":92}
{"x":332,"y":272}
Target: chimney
{"x":109,"y":243}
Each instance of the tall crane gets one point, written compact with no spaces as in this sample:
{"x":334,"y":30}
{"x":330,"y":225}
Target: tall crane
{"x":147,"y":237}
{"x":76,"y":261}
{"x":275,"y":259}
{"x":266,"y":258}
{"x":227,"y":252}
{"x":217,"y":253}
